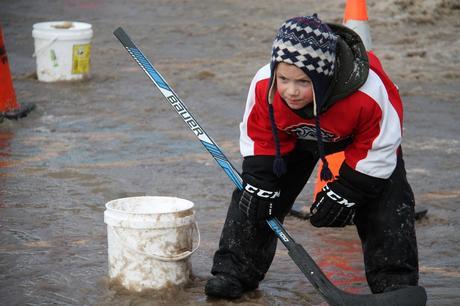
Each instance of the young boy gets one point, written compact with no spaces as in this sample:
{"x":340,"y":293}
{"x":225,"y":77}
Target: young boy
{"x":322,"y":93}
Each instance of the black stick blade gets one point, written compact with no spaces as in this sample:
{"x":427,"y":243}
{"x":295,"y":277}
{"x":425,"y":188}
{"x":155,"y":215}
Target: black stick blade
{"x":123,"y":38}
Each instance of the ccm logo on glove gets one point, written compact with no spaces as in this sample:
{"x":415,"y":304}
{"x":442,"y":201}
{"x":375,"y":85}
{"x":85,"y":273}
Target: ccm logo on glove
{"x":334,"y":196}
{"x":258,"y":204}
{"x":261,"y":193}
{"x":335,"y":205}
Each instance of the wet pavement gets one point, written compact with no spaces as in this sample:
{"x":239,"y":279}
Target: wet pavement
{"x":114,"y":136}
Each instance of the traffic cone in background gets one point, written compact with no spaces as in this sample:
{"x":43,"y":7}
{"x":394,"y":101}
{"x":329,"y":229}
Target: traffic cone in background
{"x":9,"y":107}
{"x":355,"y":18}
{"x":334,"y":162}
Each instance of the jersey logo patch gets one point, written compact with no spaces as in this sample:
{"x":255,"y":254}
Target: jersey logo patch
{"x":308,"y":132}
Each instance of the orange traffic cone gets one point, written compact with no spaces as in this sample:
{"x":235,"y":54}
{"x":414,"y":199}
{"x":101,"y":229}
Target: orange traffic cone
{"x":334,"y":162}
{"x":355,"y":18}
{"x":9,"y":107}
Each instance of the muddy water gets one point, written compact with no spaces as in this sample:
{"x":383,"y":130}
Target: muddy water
{"x":114,"y":136}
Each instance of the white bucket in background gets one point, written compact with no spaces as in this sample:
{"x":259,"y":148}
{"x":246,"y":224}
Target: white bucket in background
{"x":150,"y":240}
{"x":62,"y":50}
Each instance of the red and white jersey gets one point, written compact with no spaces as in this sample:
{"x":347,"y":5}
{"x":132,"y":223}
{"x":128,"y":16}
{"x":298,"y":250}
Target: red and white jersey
{"x":372,"y":116}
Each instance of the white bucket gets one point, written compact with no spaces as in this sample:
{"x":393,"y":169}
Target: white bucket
{"x":150,"y":240}
{"x":62,"y":50}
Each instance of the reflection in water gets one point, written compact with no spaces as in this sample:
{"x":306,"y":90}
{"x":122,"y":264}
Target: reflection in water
{"x":343,"y":265}
{"x":5,"y":138}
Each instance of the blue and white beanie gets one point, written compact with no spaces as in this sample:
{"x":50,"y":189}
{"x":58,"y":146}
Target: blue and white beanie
{"x":309,"y":44}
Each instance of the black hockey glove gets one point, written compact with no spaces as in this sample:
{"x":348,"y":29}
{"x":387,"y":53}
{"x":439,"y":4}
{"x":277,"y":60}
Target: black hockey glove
{"x":258,"y":204}
{"x":335,"y":205}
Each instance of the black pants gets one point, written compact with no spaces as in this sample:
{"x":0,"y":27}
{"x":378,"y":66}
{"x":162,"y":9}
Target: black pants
{"x":385,"y":227}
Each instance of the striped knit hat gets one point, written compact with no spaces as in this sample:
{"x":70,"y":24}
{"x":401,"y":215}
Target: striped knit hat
{"x":309,"y":44}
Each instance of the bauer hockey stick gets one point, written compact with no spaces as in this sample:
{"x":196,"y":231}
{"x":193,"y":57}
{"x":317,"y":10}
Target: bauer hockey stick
{"x":413,"y":295}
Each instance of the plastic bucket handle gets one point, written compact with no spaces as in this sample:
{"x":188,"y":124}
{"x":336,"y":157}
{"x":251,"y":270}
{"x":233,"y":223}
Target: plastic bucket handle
{"x":175,"y":257}
{"x":45,"y":46}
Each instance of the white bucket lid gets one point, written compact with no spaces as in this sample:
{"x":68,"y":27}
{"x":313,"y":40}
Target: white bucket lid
{"x":62,"y":30}
{"x":148,"y":205}
{"x":149,"y":212}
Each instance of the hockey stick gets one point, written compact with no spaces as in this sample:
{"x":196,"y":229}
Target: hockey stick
{"x":334,"y":296}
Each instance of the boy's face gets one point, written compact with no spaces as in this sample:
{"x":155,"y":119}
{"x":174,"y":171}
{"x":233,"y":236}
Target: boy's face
{"x":294,"y":86}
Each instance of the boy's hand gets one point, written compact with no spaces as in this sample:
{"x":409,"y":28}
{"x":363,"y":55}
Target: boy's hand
{"x":258,"y":204}
{"x":335,"y":205}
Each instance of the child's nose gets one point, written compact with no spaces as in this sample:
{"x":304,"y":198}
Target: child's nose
{"x":292,"y":90}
